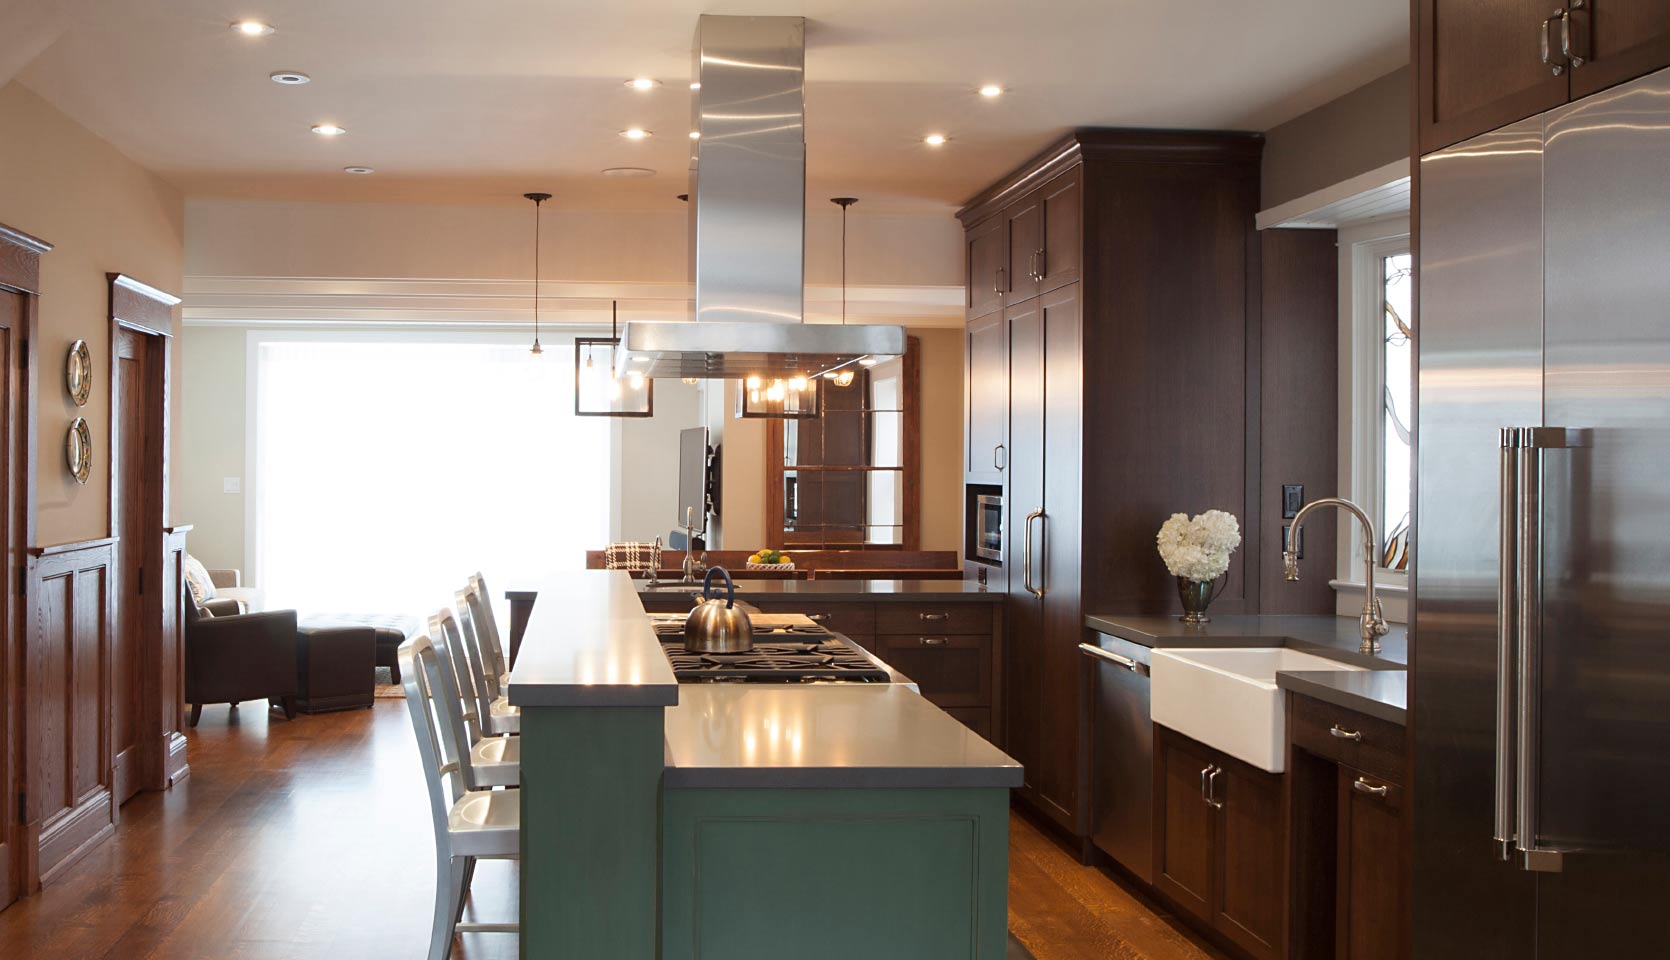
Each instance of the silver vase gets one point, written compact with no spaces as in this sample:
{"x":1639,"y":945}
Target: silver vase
{"x":1197,"y":596}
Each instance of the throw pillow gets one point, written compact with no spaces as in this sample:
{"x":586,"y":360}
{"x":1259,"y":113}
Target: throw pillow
{"x":198,"y":582}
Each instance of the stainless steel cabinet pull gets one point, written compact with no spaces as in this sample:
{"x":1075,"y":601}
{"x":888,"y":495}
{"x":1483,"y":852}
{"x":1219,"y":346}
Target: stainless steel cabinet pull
{"x":997,"y":464}
{"x":1506,"y":571}
{"x":932,"y":617}
{"x":1212,"y":788}
{"x":1364,"y":786}
{"x":932,"y":641}
{"x":1548,"y":46}
{"x":1344,"y":734}
{"x":817,"y":617}
{"x":1136,"y":667}
{"x":1040,"y":268}
{"x":1026,"y":553}
{"x":997,"y":282}
{"x":1204,"y":773}
{"x":1566,"y":45}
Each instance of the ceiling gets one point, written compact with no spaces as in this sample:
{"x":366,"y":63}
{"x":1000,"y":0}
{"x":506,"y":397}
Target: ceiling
{"x":478,"y":101}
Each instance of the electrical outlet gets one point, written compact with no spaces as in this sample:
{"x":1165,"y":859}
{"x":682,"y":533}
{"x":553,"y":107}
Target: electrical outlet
{"x":1299,"y":548}
{"x":231,"y":485}
{"x":1292,"y":500}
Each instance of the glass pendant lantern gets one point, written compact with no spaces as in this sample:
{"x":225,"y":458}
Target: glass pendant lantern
{"x":598,"y":392}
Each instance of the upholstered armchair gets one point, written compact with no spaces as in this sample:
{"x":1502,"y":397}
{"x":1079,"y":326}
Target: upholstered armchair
{"x":232,"y":657}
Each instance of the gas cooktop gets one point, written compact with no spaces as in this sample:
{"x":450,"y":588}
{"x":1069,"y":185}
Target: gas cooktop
{"x":789,"y":655}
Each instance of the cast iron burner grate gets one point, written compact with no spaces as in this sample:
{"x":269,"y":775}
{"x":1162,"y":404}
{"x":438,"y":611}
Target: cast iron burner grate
{"x":827,"y":656}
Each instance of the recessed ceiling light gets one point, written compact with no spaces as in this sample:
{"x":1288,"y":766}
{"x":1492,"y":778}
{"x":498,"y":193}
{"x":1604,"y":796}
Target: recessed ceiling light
{"x":643,"y":83}
{"x":695,"y":134}
{"x":695,"y":84}
{"x":991,"y":90}
{"x":291,"y":78}
{"x":329,"y":130}
{"x":636,"y":133}
{"x":935,"y":139}
{"x":628,"y":172}
{"x":252,"y":28}
{"x":361,"y":171}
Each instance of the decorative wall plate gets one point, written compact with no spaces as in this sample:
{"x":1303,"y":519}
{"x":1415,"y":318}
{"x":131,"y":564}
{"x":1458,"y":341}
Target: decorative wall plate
{"x":78,"y":373}
{"x":78,"y":450}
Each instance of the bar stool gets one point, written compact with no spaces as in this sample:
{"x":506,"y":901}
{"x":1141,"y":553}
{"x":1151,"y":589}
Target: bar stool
{"x":493,"y":710}
{"x":470,"y":825}
{"x":487,"y":624}
{"x":490,"y":761}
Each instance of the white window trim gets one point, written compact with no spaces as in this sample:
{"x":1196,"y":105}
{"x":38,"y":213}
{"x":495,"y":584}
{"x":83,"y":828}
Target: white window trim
{"x":1361,"y":389}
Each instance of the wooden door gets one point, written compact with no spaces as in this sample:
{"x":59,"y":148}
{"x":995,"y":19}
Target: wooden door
{"x":138,"y":526}
{"x":1060,"y":540}
{"x":1024,"y":638}
{"x":1185,"y":824}
{"x":1480,"y":67}
{"x":1026,"y":245}
{"x":1371,"y":895}
{"x":12,"y":779}
{"x":1622,"y":40}
{"x":1251,"y":842}
{"x":1063,"y":230}
{"x":985,"y":255}
{"x":986,"y":382}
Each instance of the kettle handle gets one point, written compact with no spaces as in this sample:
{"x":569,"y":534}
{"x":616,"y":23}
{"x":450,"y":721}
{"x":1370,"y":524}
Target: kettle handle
{"x":730,"y":586}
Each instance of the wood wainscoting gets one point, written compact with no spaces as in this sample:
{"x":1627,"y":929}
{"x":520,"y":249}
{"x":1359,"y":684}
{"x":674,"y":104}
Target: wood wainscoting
{"x":72,"y":773}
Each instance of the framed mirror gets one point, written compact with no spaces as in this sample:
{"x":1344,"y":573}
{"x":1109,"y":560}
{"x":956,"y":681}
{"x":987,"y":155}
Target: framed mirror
{"x":850,"y":477}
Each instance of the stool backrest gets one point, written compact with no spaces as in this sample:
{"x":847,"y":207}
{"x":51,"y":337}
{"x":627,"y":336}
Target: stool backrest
{"x":486,"y":622}
{"x":456,"y":665}
{"x":466,"y":660}
{"x":483,"y":656}
{"x":439,"y":746}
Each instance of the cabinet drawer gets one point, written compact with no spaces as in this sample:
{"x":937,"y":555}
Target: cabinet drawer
{"x":929,"y":618}
{"x":1348,"y":737}
{"x":978,"y":719}
{"x":951,"y":671}
{"x":852,"y":619}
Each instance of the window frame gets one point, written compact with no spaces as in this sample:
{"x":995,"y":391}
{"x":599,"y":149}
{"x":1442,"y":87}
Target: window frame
{"x":1362,"y":384}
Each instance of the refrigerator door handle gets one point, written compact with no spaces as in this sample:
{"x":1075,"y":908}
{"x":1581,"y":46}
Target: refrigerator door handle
{"x":1507,"y":572}
{"x":1532,"y":441}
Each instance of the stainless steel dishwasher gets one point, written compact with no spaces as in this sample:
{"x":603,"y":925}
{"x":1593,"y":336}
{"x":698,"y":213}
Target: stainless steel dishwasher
{"x":1122,"y":750}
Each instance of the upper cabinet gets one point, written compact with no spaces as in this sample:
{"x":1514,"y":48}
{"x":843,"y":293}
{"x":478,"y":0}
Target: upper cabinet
{"x":986,"y":250}
{"x":1486,"y":63}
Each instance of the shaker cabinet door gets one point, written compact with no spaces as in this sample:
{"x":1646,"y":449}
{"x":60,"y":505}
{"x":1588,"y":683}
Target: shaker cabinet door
{"x":985,"y":254}
{"x":1480,"y":67}
{"x":1250,"y":845}
{"x":986,"y":380}
{"x":1185,"y":824}
{"x":1620,"y":40}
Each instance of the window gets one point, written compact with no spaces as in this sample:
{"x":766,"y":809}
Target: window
{"x":1377,"y":387}
{"x":387,"y":470}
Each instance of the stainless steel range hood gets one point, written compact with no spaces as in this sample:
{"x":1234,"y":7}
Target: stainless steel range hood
{"x":749,"y":205}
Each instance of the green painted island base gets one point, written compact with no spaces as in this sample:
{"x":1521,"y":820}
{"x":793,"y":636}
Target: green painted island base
{"x":912,"y":874}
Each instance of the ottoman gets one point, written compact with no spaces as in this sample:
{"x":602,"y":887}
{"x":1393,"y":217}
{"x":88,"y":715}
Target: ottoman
{"x":335,"y":668}
{"x":391,"y":630}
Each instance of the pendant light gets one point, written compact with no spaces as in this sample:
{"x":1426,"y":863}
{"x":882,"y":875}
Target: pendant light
{"x":597,"y":391}
{"x":844,"y":376}
{"x":537,"y":198}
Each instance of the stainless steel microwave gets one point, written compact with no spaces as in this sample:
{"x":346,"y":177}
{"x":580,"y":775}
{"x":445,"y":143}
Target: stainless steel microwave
{"x":988,"y":527}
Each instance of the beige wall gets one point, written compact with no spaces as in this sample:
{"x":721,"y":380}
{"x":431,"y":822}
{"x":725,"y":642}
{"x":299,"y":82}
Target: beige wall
{"x":1358,"y":132}
{"x":211,"y":445}
{"x":104,"y":214}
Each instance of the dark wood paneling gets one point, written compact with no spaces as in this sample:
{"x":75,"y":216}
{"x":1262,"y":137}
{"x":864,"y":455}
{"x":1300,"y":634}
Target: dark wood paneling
{"x":1479,"y":66}
{"x":852,"y":619}
{"x":1023,"y":669}
{"x":20,"y":260}
{"x":1369,"y":743}
{"x":1025,"y":218}
{"x":950,"y":670}
{"x":1300,"y":407}
{"x":986,"y":250}
{"x":1252,"y":845}
{"x":986,"y":398}
{"x":1623,"y":39}
{"x":1064,"y":772}
{"x":1063,"y":240}
{"x":168,"y":702}
{"x":70,"y":806}
{"x":1185,"y":827}
{"x":141,"y":305}
{"x":934,"y":618}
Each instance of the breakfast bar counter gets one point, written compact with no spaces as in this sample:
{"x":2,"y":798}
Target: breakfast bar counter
{"x":646,"y":804}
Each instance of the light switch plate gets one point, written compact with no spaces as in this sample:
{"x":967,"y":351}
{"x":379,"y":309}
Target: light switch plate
{"x":1292,"y":499}
{"x":231,"y":485}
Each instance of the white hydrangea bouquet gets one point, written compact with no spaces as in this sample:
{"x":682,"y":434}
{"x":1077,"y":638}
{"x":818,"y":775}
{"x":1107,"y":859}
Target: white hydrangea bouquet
{"x":1197,"y":551}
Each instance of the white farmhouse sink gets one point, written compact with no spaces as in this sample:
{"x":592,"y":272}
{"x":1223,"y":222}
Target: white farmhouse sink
{"x":1227,"y":698}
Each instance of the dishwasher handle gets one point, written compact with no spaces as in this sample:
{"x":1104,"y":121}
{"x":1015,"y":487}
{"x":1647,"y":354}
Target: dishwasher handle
{"x":1106,"y":656}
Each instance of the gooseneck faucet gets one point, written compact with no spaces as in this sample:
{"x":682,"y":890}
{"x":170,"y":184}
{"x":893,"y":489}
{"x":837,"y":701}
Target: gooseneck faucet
{"x":693,"y":568}
{"x":1372,"y":623}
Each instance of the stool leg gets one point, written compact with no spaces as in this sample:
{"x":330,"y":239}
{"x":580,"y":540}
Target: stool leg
{"x":196,"y":713}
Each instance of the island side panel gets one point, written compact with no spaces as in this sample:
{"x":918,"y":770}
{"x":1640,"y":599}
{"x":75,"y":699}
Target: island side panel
{"x":591,"y":786}
{"x":835,"y":874}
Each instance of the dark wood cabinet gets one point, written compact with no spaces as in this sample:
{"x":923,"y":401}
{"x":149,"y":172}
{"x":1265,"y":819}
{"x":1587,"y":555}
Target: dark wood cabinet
{"x":1120,"y":247}
{"x":1483,"y":64}
{"x":951,"y":671}
{"x":986,"y":250}
{"x":1370,"y":892}
{"x":986,"y":386}
{"x":1219,"y":841}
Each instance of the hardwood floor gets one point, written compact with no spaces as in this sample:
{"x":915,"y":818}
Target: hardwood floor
{"x":311,"y":839}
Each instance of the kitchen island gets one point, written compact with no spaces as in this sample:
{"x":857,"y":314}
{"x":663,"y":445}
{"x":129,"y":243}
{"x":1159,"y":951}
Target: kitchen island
{"x":742,"y":820}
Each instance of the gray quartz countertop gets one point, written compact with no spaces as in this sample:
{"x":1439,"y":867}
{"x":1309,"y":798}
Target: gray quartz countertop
{"x":589,"y":644}
{"x":826,"y":736}
{"x":1380,"y":691}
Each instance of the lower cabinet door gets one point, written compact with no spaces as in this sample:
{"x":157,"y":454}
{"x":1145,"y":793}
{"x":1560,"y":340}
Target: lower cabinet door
{"x":1251,"y":846}
{"x":1184,"y":824}
{"x":1369,"y":924}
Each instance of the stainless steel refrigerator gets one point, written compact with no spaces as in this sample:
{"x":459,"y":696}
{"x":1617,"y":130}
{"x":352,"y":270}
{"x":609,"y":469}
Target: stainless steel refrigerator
{"x":1541,"y":682}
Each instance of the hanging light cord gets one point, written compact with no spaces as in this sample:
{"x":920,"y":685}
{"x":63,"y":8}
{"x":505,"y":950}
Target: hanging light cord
{"x":844,"y":264}
{"x":538,"y":199}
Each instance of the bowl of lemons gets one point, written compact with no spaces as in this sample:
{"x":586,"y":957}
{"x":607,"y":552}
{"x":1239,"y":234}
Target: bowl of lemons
{"x":770,"y":560}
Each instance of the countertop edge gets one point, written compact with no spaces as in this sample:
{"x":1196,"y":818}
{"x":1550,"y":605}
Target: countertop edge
{"x":842,"y":778}
{"x":1296,"y":682}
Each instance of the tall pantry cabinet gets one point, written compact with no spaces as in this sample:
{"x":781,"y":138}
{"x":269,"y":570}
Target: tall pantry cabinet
{"x":1112,"y":379}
